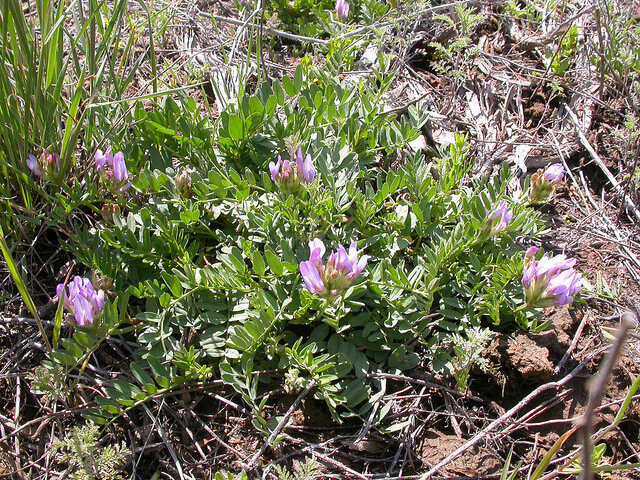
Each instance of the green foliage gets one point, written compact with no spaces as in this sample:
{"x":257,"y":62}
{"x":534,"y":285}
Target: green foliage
{"x":204,"y":248}
{"x":526,"y":10}
{"x":306,"y":470}
{"x":56,"y":102}
{"x":454,"y":58}
{"x":49,"y":380}
{"x":88,"y":460}
{"x":563,"y":56}
{"x":297,"y":14}
{"x":317,"y":18}
{"x":229,"y":476}
{"x":617,"y":51}
{"x":598,"y":461}
{"x":468,"y":352}
{"x":219,"y":266}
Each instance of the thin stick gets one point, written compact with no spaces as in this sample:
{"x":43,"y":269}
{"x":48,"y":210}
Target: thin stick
{"x":43,"y":418}
{"x":281,"y":425}
{"x":596,"y":158}
{"x":500,"y":420}
{"x":573,"y":345}
{"x":16,"y":419}
{"x":597,"y":390}
{"x":163,"y":435}
{"x":216,"y":437}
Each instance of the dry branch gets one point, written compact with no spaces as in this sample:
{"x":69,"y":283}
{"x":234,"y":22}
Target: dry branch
{"x":596,"y":158}
{"x":500,"y":420}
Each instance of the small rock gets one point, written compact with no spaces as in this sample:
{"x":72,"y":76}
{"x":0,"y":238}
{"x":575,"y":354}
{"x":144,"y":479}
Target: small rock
{"x":529,"y":359}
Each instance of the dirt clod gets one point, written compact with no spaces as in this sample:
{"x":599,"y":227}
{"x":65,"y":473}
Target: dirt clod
{"x":476,"y":461}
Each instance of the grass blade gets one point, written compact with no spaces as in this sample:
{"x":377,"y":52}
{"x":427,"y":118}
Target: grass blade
{"x":551,"y":453}
{"x":22,"y":288}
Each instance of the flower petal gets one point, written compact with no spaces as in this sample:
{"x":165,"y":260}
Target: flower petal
{"x":554,"y":173}
{"x":317,"y":250}
{"x":119,"y":166}
{"x":34,"y":166}
{"x":311,"y":277}
{"x":274,"y":168}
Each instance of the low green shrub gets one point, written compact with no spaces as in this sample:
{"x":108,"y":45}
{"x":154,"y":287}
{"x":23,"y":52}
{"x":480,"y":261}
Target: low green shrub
{"x":211,"y":245}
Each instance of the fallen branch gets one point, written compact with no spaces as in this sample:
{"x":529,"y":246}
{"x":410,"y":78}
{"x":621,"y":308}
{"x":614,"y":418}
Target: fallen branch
{"x":500,"y":420}
{"x":596,"y":158}
{"x":281,"y":425}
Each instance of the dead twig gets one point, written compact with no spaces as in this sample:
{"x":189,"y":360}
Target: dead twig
{"x":280,"y":425}
{"x":500,"y":420}
{"x":166,"y":441}
{"x":597,"y":390}
{"x":573,"y":345}
{"x":216,"y":437}
{"x":598,"y":161}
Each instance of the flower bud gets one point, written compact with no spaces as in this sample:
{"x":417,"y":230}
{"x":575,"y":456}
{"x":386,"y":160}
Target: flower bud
{"x":183,"y":184}
{"x":545,"y":182}
{"x":108,"y":211}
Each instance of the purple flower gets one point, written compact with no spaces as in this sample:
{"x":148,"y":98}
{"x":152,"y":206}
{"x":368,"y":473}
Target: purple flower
{"x":119,"y":166}
{"x":291,"y":175}
{"x":102,"y":158}
{"x":498,"y":219}
{"x":82,"y":300}
{"x":342,"y":9}
{"x":274,"y":168}
{"x":34,"y":166}
{"x":305,"y":167}
{"x":113,"y":167}
{"x":341,"y":269}
{"x":550,"y":280}
{"x":554,"y":173}
{"x":311,"y":277}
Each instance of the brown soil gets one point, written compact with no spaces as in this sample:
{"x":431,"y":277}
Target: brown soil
{"x":477,"y":461}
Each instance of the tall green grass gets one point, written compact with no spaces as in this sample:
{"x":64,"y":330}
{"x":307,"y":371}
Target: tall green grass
{"x":57,"y":59}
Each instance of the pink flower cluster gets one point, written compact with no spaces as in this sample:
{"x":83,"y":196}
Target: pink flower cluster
{"x":291,"y":175}
{"x":550,"y":280}
{"x":113,"y":166}
{"x":82,"y":300}
{"x":333,"y":278}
